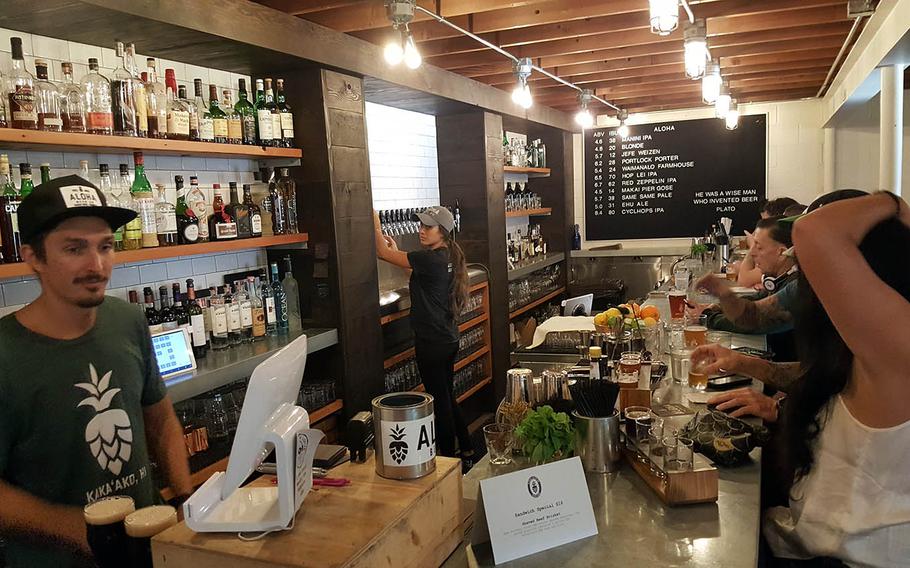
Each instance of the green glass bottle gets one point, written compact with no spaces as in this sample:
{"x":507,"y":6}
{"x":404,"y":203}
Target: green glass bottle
{"x":218,"y":117}
{"x":247,"y":114}
{"x":26,"y":185}
{"x":45,"y":173}
{"x":6,"y":180}
{"x":263,"y":117}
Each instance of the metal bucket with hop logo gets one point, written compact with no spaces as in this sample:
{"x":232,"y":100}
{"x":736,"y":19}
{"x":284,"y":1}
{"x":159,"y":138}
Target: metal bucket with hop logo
{"x":405,"y":435}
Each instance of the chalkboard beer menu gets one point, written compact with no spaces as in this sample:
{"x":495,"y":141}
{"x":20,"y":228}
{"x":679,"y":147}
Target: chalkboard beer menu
{"x":673,"y":179}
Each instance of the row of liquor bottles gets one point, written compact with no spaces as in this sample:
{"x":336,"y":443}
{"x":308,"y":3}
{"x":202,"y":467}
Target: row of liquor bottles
{"x":131,"y":103}
{"x":525,"y":248}
{"x":519,"y":153}
{"x":159,"y":222}
{"x":221,"y":317}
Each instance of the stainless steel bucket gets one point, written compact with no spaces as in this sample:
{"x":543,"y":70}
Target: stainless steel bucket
{"x":405,"y":435}
{"x":597,"y":442}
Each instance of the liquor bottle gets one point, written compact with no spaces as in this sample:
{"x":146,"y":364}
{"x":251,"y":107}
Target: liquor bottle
{"x":234,"y":121}
{"x":197,"y":322}
{"x":275,"y":113}
{"x":457,"y":216}
{"x":157,"y":101}
{"x":256,"y":308}
{"x":140,"y":97}
{"x":179,"y":308}
{"x":240,"y":213}
{"x":286,"y":118}
{"x":292,"y":290}
{"x":132,"y":232}
{"x":99,"y":118}
{"x":178,"y":116}
{"x":134,"y":300}
{"x":219,"y":318}
{"x":219,"y":119}
{"x":9,"y":221}
{"x":278,"y":207}
{"x":242,"y":297}
{"x":268,"y":304}
{"x":247,"y":114}
{"x":264,"y":131}
{"x":26,"y":185}
{"x":141,"y":191}
{"x":187,"y":222}
{"x":165,"y":312}
{"x":152,"y":316}
{"x":222,"y":226}
{"x":235,"y":326}
{"x":47,"y":100}
{"x":21,"y":91}
{"x":206,"y":128}
{"x":4,"y":100}
{"x":165,"y":219}
{"x":281,"y":301}
{"x":198,"y":203}
{"x":255,"y":214}
{"x":107,"y":188}
{"x":192,"y":112}
{"x":46,"y":171}
{"x":288,"y":189}
{"x":123,"y":106}
{"x":72,"y":101}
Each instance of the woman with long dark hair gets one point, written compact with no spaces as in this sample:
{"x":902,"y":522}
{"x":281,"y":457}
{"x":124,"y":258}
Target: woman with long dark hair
{"x":439,"y":290}
{"x":846,"y":424}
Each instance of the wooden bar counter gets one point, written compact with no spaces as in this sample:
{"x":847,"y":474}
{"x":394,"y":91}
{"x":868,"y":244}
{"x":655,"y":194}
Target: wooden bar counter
{"x":372,"y":523}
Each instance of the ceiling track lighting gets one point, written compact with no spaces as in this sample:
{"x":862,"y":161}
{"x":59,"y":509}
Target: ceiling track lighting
{"x":584,"y":118}
{"x":402,"y":48}
{"x":722,"y":104}
{"x":623,"y":129}
{"x":710,"y":83}
{"x":664,"y":15}
{"x":522,"y":93}
{"x":695,"y":40}
{"x":731,"y":121}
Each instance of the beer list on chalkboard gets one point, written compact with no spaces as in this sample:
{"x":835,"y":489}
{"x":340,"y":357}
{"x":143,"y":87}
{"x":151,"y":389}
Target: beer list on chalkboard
{"x":674,"y":179}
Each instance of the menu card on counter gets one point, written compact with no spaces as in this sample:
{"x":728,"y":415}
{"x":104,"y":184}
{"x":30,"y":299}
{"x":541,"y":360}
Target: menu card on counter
{"x":534,"y":509}
{"x":674,"y":179}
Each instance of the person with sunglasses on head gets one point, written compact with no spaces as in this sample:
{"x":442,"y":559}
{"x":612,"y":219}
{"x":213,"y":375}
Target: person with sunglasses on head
{"x":439,"y":290}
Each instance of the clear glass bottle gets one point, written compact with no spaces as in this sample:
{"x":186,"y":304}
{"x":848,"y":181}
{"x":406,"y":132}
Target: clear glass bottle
{"x":195,"y":198}
{"x":219,"y":118}
{"x":287,"y":119}
{"x":242,"y":297}
{"x":219,"y":317}
{"x":234,"y":122}
{"x":106,"y":186}
{"x":165,"y":219}
{"x":275,"y":113}
{"x":264,"y":132}
{"x":193,"y":112}
{"x":247,"y":114}
{"x":21,"y":91}
{"x":156,"y":94}
{"x":72,"y":101}
{"x":140,"y":97}
{"x":288,"y":189}
{"x":4,"y":122}
{"x":206,"y":126}
{"x":123,"y":105}
{"x":256,"y":308}
{"x":292,"y":291}
{"x":178,"y":115}
{"x":99,"y":118}
{"x":281,"y":301}
{"x":235,"y":324}
{"x":269,"y":305}
{"x":255,"y":212}
{"x":278,"y":207}
{"x":47,"y":99}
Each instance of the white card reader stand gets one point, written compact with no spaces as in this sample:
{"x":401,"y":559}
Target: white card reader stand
{"x":270,"y":419}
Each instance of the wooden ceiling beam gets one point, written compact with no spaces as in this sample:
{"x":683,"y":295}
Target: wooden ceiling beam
{"x":734,"y":24}
{"x":688,"y":101}
{"x":298,"y":7}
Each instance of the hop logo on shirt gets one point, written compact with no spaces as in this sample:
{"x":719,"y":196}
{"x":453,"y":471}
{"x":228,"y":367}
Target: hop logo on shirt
{"x":109,"y":433}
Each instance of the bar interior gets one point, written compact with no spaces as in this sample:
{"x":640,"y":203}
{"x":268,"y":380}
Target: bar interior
{"x":454,"y":283}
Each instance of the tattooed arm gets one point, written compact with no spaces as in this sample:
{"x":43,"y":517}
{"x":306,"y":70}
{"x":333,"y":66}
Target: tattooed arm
{"x":747,"y":316}
{"x":720,"y":359}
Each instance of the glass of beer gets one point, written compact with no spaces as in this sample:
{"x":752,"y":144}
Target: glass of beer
{"x":105,"y":532}
{"x":632,"y":414}
{"x":677,"y":304}
{"x":696,"y":335}
{"x":141,"y":526}
{"x":629,"y":366}
{"x":698,"y":378}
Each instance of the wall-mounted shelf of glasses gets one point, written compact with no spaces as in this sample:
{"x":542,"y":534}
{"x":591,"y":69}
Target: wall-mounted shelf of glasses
{"x":537,"y":302}
{"x":157,"y":253}
{"x":409,"y":353}
{"x":219,"y":368}
{"x":13,"y":138}
{"x":525,"y":269}
{"x":542,"y":212}
{"x":530,"y":172}
{"x":466,"y":394}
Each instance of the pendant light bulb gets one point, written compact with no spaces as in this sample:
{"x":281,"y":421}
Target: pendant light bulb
{"x":393,"y":53}
{"x":584,"y":117}
{"x":411,"y":56}
{"x":664,"y":16}
{"x":696,"y":49}
{"x":732,"y":119}
{"x":522,"y":93}
{"x":722,"y":104}
{"x":623,"y":129}
{"x":710,"y":83}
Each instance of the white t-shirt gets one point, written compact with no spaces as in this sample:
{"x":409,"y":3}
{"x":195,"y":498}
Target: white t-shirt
{"x":854,"y":504}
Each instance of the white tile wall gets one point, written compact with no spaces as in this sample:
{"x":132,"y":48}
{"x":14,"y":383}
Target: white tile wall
{"x":205,"y":270}
{"x":403,"y":166}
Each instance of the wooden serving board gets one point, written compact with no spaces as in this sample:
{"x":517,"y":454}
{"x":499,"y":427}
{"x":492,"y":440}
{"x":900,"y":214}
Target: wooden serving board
{"x":679,"y":488}
{"x":372,"y":523}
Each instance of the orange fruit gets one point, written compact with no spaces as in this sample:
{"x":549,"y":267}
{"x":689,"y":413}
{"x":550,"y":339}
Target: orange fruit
{"x":650,"y":312}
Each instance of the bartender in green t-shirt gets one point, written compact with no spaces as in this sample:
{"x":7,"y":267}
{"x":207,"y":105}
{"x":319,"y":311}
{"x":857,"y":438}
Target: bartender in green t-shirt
{"x":83,"y":404}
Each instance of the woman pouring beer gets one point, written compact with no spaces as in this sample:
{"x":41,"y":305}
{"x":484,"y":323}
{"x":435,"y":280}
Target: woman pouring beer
{"x":439,"y":288}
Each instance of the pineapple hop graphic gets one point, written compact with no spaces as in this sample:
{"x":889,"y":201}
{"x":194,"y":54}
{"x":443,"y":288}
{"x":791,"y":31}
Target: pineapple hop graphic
{"x":398,"y":448}
{"x":109,"y":433}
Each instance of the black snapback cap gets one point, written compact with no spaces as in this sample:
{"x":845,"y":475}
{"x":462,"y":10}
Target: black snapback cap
{"x":64,"y":198}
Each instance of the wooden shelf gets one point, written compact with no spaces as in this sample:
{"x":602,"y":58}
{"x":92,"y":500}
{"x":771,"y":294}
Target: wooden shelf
{"x":472,"y":322}
{"x":199,"y":477}
{"x":471,"y":358}
{"x":405,"y":355}
{"x":473,"y":390}
{"x":47,"y":141}
{"x":528,"y":268}
{"x":141,"y":255}
{"x":542,"y":212}
{"x":537,"y":302}
{"x":531,"y":172}
{"x":393,"y":317}
{"x":395,"y":359}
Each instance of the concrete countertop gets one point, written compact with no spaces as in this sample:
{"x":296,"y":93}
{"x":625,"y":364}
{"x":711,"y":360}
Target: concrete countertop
{"x":671,"y":250}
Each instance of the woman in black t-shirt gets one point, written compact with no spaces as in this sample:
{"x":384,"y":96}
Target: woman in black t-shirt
{"x":439,"y":288}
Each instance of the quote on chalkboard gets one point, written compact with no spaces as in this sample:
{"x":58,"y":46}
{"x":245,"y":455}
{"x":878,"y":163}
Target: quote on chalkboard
{"x":674,"y":179}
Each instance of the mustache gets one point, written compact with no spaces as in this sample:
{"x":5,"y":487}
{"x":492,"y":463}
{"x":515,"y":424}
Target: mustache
{"x":91,"y":279}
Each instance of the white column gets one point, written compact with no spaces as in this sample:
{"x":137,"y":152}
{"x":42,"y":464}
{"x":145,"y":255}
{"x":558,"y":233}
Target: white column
{"x":828,"y":160}
{"x":891,"y":128}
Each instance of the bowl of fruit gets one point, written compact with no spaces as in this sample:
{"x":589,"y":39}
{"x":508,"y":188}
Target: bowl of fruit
{"x":626,"y":317}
